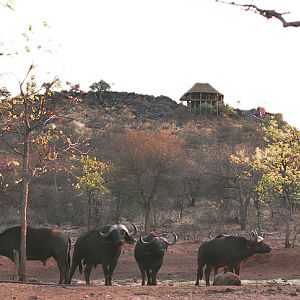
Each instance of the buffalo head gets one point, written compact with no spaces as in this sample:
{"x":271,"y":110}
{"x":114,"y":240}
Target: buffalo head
{"x":157,"y":244}
{"x":257,"y":243}
{"x":118,"y":234}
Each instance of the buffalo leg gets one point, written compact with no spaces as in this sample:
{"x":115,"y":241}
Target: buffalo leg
{"x":199,"y":273}
{"x":111,"y":271}
{"x":154,"y":275}
{"x":72,"y":270}
{"x":149,"y":276}
{"x":207,"y":274}
{"x":63,"y":270}
{"x":75,"y":262}
{"x":143,"y":273}
{"x":108,"y":271}
{"x":87,"y":272}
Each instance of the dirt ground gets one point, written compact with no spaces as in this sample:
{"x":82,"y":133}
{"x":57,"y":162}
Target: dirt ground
{"x":267,"y":276}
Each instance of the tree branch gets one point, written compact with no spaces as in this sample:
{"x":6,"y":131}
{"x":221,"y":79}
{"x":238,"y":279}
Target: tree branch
{"x":266,"y":13}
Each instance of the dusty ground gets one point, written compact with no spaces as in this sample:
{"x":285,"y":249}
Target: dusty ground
{"x":269,"y":276}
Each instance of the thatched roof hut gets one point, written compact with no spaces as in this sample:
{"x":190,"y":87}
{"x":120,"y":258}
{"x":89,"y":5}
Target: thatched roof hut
{"x":202,"y":91}
{"x":202,"y":97}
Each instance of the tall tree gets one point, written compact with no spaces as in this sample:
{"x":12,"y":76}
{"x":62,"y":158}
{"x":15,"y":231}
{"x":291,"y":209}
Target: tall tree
{"x":29,"y":129}
{"x":146,"y":160}
{"x":92,"y":180}
{"x":231,"y":182}
{"x":279,"y":164}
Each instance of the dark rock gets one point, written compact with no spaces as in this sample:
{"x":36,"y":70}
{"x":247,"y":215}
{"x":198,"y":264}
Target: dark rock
{"x":227,"y":279}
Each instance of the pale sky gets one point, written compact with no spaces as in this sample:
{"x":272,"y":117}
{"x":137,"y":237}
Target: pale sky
{"x":161,"y":47}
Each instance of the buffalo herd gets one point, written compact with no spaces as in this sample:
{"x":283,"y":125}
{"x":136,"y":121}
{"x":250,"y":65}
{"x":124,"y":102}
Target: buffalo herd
{"x":104,"y":247}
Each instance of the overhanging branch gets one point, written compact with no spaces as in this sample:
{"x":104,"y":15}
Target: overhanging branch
{"x":266,"y":13}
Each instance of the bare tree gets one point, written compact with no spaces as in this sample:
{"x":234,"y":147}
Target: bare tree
{"x":147,"y":159}
{"x":266,"y":13}
{"x":29,"y":126}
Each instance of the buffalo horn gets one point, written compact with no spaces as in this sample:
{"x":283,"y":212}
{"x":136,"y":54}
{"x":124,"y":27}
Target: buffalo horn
{"x":145,"y":242}
{"x":135,"y":230}
{"x":121,"y":227}
{"x":256,"y":237}
{"x":174,"y":240}
{"x":112,"y":228}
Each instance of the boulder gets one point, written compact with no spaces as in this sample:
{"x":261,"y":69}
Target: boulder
{"x":227,"y":278}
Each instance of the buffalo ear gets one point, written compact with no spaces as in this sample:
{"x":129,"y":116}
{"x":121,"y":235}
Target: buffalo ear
{"x":129,"y":239}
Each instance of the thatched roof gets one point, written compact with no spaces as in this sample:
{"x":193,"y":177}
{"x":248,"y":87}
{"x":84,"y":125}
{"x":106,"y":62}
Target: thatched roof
{"x":200,"y":88}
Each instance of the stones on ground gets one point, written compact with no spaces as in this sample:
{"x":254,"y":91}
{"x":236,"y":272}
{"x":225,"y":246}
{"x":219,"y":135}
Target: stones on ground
{"x":227,"y":278}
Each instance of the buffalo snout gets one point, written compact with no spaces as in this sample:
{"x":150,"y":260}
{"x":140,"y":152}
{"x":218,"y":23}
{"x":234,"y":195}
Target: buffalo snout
{"x":263,"y":248}
{"x":120,"y":243}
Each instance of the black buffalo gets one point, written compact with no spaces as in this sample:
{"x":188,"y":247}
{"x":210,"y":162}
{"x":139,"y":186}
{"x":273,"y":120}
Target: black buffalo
{"x":100,"y":247}
{"x":149,"y":254}
{"x":227,"y":251}
{"x":41,"y":244}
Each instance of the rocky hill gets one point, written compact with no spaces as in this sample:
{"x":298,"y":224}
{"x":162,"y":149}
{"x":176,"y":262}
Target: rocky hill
{"x":122,"y":109}
{"x":95,"y":116}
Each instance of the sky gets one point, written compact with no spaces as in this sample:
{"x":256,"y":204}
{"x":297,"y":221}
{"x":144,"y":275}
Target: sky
{"x":159,"y":47}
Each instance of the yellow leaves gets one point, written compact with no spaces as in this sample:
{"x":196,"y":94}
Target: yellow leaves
{"x":73,"y":157}
{"x":13,"y":163}
{"x":92,"y":178}
{"x":52,"y":155}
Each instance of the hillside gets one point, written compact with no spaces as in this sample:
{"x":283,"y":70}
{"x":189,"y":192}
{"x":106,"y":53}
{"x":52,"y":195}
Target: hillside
{"x":145,"y":111}
{"x":209,"y":139}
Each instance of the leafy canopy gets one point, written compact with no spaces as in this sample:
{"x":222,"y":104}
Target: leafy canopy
{"x":278,"y":163}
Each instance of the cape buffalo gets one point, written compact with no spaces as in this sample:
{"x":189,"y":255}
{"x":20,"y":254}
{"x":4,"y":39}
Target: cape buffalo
{"x":41,"y":244}
{"x":149,"y":254}
{"x":227,"y":251}
{"x":100,"y":247}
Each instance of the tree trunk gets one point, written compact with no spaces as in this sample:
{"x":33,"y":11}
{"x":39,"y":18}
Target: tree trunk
{"x":244,"y":213}
{"x":287,"y":243}
{"x":147,"y":216}
{"x":24,"y":206}
{"x":90,"y":210}
{"x":257,"y":205}
{"x":287,"y":218}
{"x":259,"y":221}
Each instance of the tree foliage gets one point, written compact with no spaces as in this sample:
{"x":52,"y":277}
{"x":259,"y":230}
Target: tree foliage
{"x":100,"y":86}
{"x":92,"y":180}
{"x":31,"y":135}
{"x":279,"y":167}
